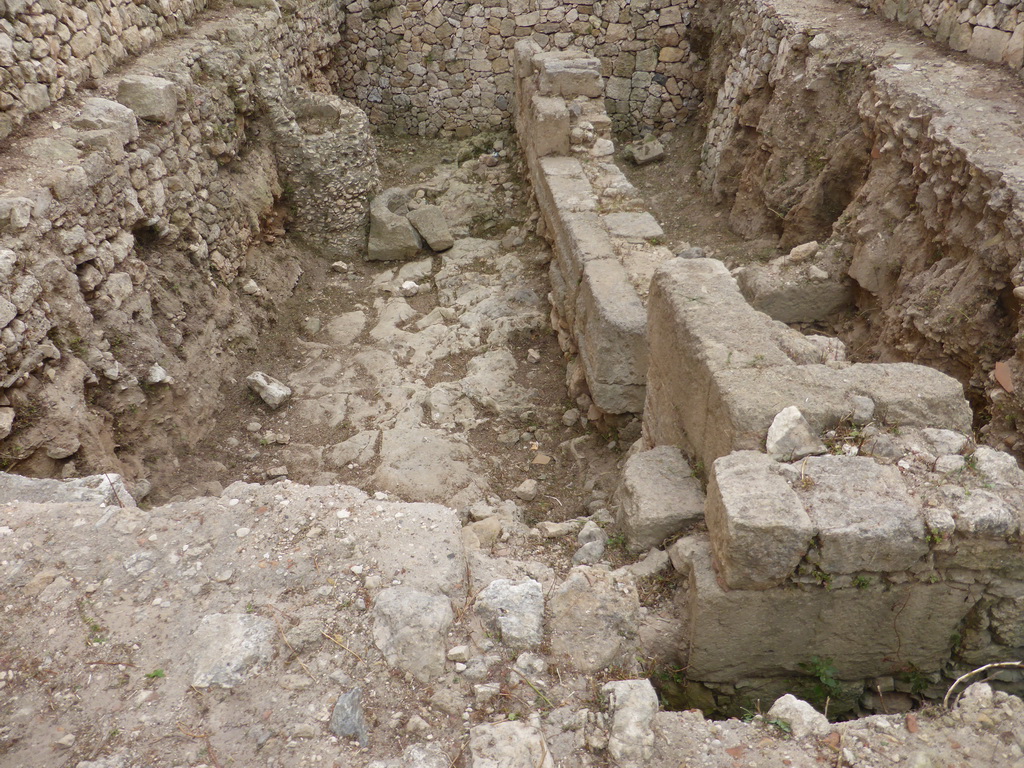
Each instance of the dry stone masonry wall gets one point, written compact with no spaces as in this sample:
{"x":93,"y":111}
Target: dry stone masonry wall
{"x":992,"y":30}
{"x":829,"y":126}
{"x":441,"y":68}
{"x":126,"y":238}
{"x":50,"y":48}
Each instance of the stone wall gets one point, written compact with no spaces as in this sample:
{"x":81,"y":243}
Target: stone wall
{"x":445,"y":68}
{"x":829,"y":127}
{"x":127,"y":235}
{"x":992,"y":30}
{"x":831,"y":532}
{"x":606,"y":244}
{"x":50,"y":48}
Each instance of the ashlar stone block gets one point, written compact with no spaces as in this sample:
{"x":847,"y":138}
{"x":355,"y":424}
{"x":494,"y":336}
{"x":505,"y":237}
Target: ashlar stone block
{"x":658,"y":497}
{"x":866,"y":519}
{"x":758,"y":527}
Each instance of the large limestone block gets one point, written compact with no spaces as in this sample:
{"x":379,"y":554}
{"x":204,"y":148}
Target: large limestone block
{"x":872,"y":632}
{"x":866,"y":519}
{"x":571,"y":193}
{"x":549,"y":132}
{"x":741,"y":406}
{"x":792,"y":294}
{"x":569,"y":74}
{"x":610,"y":330}
{"x":658,"y":497}
{"x":593,"y":619}
{"x":758,"y":527}
{"x":103,"y":114}
{"x":633,"y":226}
{"x":150,"y":98}
{"x":988,"y":44}
{"x":392,"y":236}
{"x":430,"y":222}
{"x":579,"y":238}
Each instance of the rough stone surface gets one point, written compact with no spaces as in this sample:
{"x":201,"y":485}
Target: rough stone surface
{"x":658,"y":497}
{"x":790,"y":436}
{"x":508,"y":745}
{"x":864,"y":517}
{"x":150,"y":98}
{"x":514,"y":610}
{"x":347,"y":718}
{"x":758,"y":527}
{"x":803,"y":719}
{"x":632,"y":705}
{"x":392,"y":236}
{"x":409,"y":629}
{"x":231,"y":648}
{"x":430,"y":222}
{"x":592,"y":619}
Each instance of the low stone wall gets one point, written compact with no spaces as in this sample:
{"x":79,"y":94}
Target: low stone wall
{"x":828,"y":127}
{"x":443,"y":67}
{"x":125,"y":242}
{"x":888,"y":543}
{"x":992,"y":31}
{"x":605,"y":244}
{"x":49,"y":49}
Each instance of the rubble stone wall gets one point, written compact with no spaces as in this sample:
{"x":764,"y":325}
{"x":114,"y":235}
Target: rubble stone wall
{"x":126,"y":236}
{"x":50,"y":48}
{"x":992,"y":31}
{"x":441,"y":67}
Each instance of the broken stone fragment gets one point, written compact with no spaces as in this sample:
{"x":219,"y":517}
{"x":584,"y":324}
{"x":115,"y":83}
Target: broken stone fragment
{"x":392,"y":236}
{"x":273,"y":392}
{"x":151,"y":98}
{"x":644,"y":152}
{"x":6,"y":421}
{"x":429,"y":221}
{"x":157,"y":375}
{"x":790,"y":436}
{"x":527,"y":490}
{"x":347,"y":719}
{"x":804,"y":720}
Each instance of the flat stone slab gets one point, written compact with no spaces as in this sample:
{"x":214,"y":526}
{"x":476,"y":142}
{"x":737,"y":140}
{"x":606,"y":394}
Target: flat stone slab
{"x":635,"y":226}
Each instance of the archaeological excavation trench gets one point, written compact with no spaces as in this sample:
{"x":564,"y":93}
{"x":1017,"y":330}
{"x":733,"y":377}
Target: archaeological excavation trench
{"x":445,"y":384}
